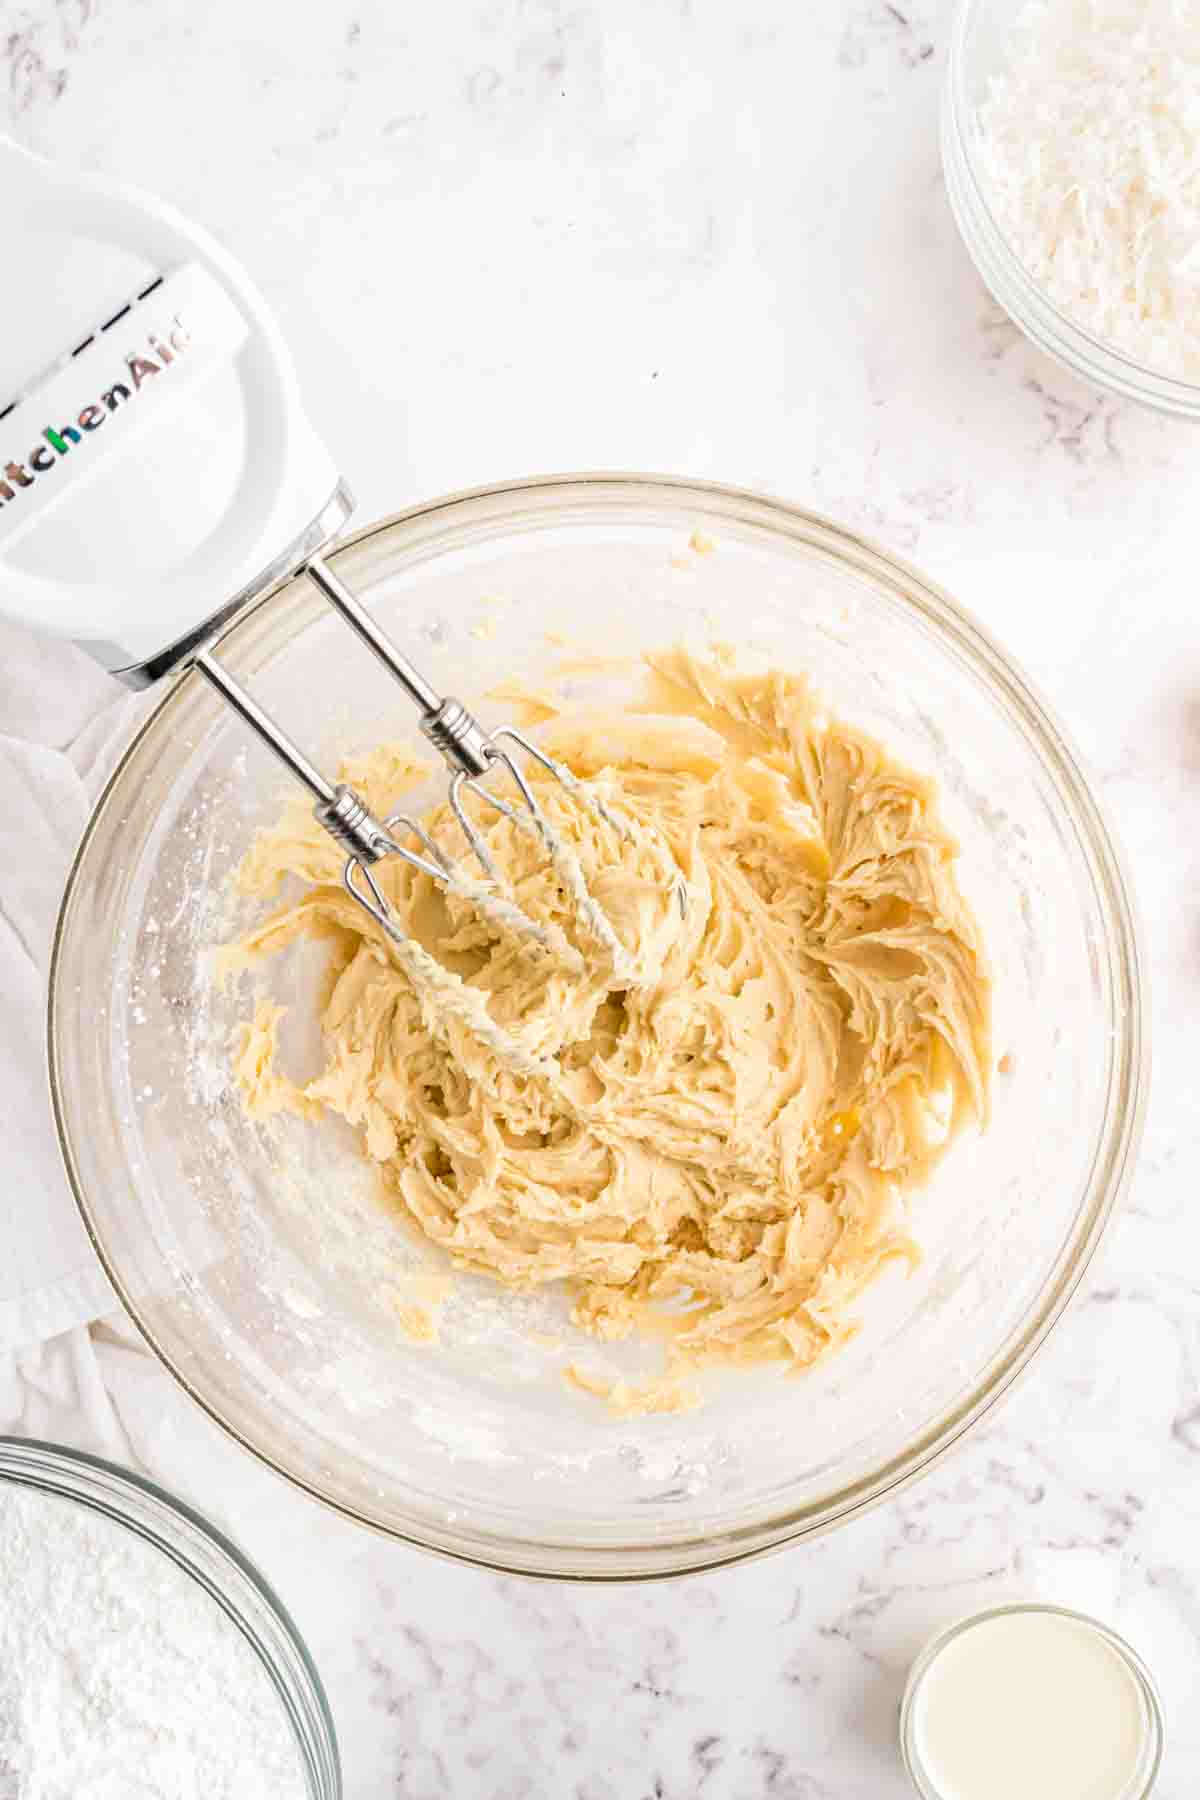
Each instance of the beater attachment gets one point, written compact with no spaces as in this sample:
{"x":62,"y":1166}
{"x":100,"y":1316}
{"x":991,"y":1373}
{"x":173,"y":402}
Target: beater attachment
{"x":472,"y":755}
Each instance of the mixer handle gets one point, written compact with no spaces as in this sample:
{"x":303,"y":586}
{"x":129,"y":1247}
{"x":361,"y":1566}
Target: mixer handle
{"x":139,"y":372}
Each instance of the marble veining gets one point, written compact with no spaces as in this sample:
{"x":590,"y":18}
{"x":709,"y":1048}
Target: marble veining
{"x":506,"y":236}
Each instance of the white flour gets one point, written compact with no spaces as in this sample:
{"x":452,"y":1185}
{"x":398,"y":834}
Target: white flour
{"x":120,"y":1679}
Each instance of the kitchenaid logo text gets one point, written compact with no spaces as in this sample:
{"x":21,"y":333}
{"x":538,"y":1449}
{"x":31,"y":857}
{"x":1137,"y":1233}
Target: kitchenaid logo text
{"x":58,"y":441}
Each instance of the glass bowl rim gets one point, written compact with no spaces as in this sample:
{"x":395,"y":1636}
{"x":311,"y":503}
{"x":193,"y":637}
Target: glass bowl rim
{"x":1118,"y":1133}
{"x":929,"y":1653}
{"x":109,"y":1489}
{"x":1005,"y":275}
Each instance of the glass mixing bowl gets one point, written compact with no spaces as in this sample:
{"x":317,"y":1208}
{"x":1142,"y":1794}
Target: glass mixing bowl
{"x":214,"y":1564}
{"x":978,"y":40}
{"x":255,"y":1256}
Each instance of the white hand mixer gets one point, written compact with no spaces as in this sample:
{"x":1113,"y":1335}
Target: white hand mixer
{"x":152,"y":427}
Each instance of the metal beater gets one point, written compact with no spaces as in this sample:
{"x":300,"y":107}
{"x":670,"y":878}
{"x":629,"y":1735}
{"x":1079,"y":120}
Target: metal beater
{"x":471,"y":754}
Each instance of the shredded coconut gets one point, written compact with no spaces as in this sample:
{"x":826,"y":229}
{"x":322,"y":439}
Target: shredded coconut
{"x":120,"y":1679}
{"x":1091,"y":138}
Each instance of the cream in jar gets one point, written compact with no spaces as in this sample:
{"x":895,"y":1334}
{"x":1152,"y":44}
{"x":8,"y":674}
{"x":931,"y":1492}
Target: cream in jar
{"x":1032,"y":1701}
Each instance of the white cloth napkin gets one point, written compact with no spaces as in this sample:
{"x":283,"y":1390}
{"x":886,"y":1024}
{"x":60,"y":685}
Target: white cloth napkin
{"x":62,"y":722}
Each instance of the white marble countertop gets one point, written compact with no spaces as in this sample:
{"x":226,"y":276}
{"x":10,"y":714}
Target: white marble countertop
{"x":510,"y":236}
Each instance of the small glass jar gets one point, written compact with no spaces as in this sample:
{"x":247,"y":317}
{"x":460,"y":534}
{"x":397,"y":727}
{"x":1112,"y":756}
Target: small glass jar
{"x":214,"y":1564}
{"x":1145,"y":1765}
{"x":977,"y":42}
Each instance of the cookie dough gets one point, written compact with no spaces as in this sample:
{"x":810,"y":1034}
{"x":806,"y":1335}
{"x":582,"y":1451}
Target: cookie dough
{"x":720,"y":1141}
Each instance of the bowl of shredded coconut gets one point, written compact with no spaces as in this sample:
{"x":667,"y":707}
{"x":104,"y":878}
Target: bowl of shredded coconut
{"x":1071,"y":146}
{"x":140,"y":1654}
{"x":607,"y":1253}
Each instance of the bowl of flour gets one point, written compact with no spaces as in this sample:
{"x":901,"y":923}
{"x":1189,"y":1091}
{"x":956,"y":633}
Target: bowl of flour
{"x":141,"y":1656}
